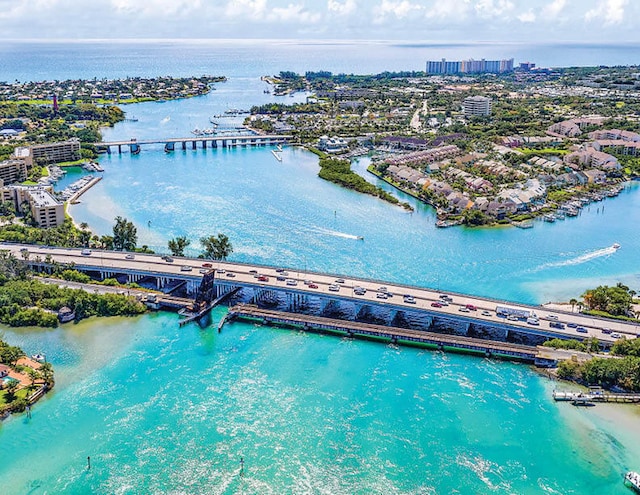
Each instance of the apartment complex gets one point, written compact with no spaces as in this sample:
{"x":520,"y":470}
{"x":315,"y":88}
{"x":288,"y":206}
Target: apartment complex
{"x":13,"y":171}
{"x":44,"y":154}
{"x":476,"y":106}
{"x":47,"y":211}
{"x":469,"y":66}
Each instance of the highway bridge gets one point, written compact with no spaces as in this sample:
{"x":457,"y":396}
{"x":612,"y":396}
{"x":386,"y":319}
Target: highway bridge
{"x":348,"y":298}
{"x":212,"y":141}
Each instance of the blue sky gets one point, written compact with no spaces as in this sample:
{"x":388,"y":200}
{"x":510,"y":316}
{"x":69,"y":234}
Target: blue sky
{"x":412,"y":20}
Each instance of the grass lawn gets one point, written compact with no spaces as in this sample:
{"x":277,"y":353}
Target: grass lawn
{"x":22,"y":393}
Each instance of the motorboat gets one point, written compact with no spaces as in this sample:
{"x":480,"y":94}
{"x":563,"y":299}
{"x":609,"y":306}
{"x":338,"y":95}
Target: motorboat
{"x":632,"y":479}
{"x":616,"y":245}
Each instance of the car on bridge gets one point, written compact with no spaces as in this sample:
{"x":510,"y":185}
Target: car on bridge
{"x":231,"y":275}
{"x":556,"y":324}
{"x":86,"y":252}
{"x":582,"y":330}
{"x":313,"y":286}
{"x":130,"y":256}
{"x":168,"y":259}
{"x":263,"y":278}
{"x":409,"y":299}
{"x":292,"y":282}
{"x":207,"y":265}
{"x":185,"y":268}
{"x":471,"y":307}
{"x":436,"y":304}
{"x":464,"y":309}
{"x":334,"y":288}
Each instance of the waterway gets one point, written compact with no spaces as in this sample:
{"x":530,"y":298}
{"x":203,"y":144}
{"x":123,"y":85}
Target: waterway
{"x":166,"y":410}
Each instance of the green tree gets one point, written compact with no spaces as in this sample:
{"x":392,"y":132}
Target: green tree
{"x":11,"y":387}
{"x":178,"y":245}
{"x":46,"y":371}
{"x":125,"y":235}
{"x":216,"y":247}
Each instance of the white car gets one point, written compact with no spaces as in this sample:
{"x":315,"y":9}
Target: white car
{"x":334,"y":288}
{"x":130,"y":256}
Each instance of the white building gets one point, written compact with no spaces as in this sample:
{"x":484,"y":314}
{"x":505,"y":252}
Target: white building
{"x":476,"y":106}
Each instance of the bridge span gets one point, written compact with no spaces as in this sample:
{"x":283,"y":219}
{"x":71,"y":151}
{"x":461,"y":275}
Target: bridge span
{"x":346,"y":298}
{"x":212,"y":141}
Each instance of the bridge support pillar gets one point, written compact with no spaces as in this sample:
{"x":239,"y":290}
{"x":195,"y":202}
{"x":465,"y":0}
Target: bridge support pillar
{"x":108,"y":150}
{"x":184,"y":145}
{"x":119,"y":149}
{"x":194,"y":145}
{"x":214,"y":143}
{"x":204,"y":144}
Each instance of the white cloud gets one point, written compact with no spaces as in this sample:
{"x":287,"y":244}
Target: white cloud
{"x":493,"y":8}
{"x":451,"y":9}
{"x":527,"y":16}
{"x":294,"y":13}
{"x":346,"y":8}
{"x":253,"y":9}
{"x":610,"y":11}
{"x":155,"y":8}
{"x":553,"y":9}
{"x":399,"y":9}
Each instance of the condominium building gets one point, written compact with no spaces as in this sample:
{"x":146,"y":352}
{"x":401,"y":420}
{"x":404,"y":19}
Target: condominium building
{"x":476,"y":106}
{"x":47,"y":211}
{"x":469,"y":66}
{"x":13,"y":171}
{"x":66,"y":151}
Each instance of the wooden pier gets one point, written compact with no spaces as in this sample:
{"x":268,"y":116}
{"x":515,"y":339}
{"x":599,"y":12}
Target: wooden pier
{"x":392,"y":334}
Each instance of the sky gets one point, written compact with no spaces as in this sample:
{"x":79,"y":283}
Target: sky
{"x":585,"y":21}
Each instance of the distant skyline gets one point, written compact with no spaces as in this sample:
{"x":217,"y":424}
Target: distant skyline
{"x":536,"y":21}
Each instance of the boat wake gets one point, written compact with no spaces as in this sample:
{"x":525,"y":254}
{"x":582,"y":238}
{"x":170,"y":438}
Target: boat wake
{"x":336,"y":233}
{"x":598,"y":253}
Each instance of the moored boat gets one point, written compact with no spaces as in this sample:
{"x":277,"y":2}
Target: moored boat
{"x":632,"y":479}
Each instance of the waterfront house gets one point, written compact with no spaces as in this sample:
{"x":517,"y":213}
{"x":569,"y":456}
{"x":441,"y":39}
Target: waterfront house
{"x":595,"y":176}
{"x":4,"y":370}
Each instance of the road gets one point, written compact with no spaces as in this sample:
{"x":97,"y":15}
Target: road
{"x":331,"y":285}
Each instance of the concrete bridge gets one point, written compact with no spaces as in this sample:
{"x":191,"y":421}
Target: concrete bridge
{"x":212,"y":141}
{"x":344,"y":298}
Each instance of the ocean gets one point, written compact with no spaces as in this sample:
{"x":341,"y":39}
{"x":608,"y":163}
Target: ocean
{"x":161,"y":409}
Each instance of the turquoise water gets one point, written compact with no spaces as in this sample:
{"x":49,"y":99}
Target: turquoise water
{"x":172,"y":410}
{"x":166,"y":410}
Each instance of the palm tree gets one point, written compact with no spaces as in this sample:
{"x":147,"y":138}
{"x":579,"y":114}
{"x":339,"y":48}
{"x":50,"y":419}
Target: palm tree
{"x":580,"y":307}
{"x":573,"y":303}
{"x":46,"y":371}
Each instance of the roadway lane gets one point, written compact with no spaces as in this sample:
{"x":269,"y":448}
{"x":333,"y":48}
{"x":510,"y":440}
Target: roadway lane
{"x":241,"y":274}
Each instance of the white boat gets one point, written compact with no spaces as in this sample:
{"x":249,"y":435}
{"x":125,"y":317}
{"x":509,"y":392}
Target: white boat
{"x":39,"y":358}
{"x":616,"y":245}
{"x":632,"y":479}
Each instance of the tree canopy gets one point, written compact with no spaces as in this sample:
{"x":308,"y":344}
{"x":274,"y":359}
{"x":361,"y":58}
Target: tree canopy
{"x":216,"y":247}
{"x":125,"y":235}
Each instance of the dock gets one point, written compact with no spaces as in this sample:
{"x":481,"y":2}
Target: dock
{"x":392,"y":334}
{"x":73,"y":199}
{"x":276,"y":155}
{"x":599,"y":396}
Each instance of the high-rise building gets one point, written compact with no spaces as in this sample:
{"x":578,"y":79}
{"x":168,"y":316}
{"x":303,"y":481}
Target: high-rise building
{"x":476,"y":106}
{"x":469,"y":66}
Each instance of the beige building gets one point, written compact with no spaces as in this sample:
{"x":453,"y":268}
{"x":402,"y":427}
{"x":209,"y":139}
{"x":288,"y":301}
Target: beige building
{"x":13,"y":171}
{"x":66,"y":151}
{"x":47,"y":211}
